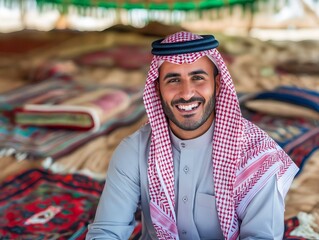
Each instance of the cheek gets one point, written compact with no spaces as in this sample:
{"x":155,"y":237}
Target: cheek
{"x":167,"y":97}
{"x":206,"y":91}
{"x":167,"y":94}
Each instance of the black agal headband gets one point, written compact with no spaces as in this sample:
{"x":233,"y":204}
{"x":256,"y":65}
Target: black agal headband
{"x":197,"y":45}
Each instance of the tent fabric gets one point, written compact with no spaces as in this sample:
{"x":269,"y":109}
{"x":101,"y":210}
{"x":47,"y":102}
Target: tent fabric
{"x":102,"y":14}
{"x":63,"y":6}
{"x":151,"y":5}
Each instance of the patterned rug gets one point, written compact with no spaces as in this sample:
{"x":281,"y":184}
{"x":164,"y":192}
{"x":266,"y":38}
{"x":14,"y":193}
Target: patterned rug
{"x":35,"y":142}
{"x":290,"y":225}
{"x":40,"y":205}
{"x":303,"y":226}
{"x":37,"y":204}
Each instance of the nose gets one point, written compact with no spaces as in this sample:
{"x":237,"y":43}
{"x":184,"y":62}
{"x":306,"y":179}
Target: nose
{"x":187,"y":90}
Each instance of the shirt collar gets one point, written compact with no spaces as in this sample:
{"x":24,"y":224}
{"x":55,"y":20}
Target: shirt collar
{"x":195,"y":143}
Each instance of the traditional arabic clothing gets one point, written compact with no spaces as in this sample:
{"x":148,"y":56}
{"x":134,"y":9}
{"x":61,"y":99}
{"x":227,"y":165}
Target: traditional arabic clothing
{"x":240,"y":162}
{"x":244,"y":157}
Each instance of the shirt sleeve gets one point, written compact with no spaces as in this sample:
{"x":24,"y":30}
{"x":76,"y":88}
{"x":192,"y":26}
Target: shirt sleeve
{"x":114,"y":217}
{"x":264,"y":216}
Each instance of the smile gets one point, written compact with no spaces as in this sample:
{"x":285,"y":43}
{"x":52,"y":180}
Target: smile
{"x":187,"y":108}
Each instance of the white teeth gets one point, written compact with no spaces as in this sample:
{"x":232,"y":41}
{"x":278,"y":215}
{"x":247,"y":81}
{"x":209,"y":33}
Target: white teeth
{"x":188,"y":107}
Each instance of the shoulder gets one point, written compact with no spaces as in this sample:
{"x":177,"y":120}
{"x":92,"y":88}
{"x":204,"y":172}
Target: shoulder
{"x":256,"y":140}
{"x":137,"y":139}
{"x":259,"y":162}
{"x":131,"y":149}
{"x":252,"y":133}
{"x":260,"y":155}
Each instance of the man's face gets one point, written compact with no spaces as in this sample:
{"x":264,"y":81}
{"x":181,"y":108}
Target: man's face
{"x":187,"y":95}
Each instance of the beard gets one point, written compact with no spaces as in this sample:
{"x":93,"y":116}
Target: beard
{"x":189,"y":124}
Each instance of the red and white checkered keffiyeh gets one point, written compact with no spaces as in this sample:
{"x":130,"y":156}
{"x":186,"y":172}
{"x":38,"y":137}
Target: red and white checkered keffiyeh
{"x":240,"y":166}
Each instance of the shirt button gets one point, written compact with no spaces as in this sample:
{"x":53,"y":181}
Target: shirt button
{"x":185,"y":199}
{"x":183,"y":145}
{"x":186,"y":169}
{"x":184,"y":232}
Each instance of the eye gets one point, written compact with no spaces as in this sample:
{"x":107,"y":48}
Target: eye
{"x":173,"y":80}
{"x":198,"y":77}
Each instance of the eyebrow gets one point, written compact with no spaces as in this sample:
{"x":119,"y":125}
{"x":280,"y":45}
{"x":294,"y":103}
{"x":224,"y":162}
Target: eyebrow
{"x":200,"y":71}
{"x":171,"y":75}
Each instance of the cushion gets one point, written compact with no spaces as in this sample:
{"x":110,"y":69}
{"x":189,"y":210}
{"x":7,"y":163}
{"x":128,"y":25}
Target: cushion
{"x":286,"y":101}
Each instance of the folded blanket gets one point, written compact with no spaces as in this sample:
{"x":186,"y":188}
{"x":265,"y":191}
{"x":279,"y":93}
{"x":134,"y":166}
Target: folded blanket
{"x":38,"y":142}
{"x":85,"y":112}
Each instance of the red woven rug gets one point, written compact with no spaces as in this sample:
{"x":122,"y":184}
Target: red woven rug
{"x":38,"y":204}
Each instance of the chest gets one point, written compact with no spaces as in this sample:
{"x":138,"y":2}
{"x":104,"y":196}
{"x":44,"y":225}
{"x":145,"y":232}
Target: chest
{"x":195,"y":204}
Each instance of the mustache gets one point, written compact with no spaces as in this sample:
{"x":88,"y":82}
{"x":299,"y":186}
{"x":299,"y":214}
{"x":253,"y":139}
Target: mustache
{"x":193,"y":99}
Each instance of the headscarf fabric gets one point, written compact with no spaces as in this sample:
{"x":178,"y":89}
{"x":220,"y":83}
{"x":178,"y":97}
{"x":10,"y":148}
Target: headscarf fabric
{"x":240,"y":167}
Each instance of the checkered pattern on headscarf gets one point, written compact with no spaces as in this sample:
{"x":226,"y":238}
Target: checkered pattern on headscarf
{"x":230,"y":133}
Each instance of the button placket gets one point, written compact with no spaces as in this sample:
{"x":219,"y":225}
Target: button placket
{"x":185,"y":196}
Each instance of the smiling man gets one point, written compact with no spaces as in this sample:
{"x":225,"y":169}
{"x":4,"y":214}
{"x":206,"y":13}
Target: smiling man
{"x":188,"y":96}
{"x":198,"y":169}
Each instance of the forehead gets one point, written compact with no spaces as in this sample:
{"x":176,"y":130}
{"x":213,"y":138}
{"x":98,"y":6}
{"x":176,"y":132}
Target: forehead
{"x":203,"y":63}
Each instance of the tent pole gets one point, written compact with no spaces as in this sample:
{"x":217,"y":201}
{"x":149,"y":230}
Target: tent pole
{"x":22,"y":13}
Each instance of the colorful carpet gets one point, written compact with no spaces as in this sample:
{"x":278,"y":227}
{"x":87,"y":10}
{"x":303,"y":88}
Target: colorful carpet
{"x":34,"y":142}
{"x":303,"y":226}
{"x":40,"y":205}
{"x":290,"y":225}
{"x":37,"y":204}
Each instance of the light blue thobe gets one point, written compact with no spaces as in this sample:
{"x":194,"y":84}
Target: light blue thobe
{"x":127,"y":186}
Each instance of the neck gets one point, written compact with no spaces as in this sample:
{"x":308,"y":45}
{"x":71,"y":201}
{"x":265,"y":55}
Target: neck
{"x":191,"y":134}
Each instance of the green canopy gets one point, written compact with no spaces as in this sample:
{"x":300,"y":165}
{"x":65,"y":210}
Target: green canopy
{"x":182,"y":5}
{"x":179,"y":5}
{"x":136,"y":12}
{"x":151,"y":4}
